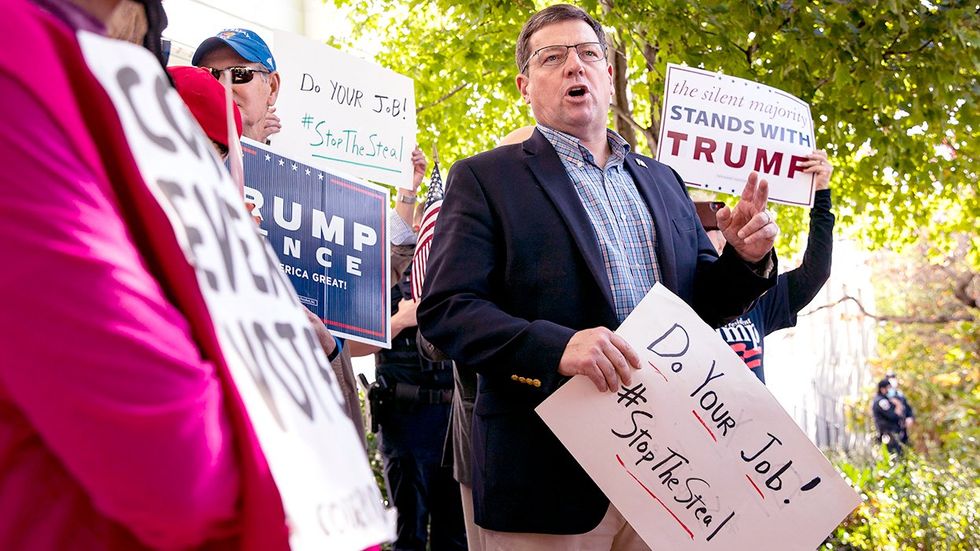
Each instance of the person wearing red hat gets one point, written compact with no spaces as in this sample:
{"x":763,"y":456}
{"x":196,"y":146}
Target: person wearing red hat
{"x":205,"y":97}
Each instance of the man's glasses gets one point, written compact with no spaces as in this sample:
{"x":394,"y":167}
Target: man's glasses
{"x":239,"y":75}
{"x":550,"y":56}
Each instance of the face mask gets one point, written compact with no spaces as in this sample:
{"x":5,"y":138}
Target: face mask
{"x":890,"y":393}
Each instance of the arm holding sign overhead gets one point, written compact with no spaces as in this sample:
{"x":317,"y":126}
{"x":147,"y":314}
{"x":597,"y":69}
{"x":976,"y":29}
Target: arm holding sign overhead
{"x":797,"y":287}
{"x":813,"y":272}
{"x":406,"y":200}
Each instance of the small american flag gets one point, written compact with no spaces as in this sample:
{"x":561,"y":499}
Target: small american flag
{"x":433,"y":203}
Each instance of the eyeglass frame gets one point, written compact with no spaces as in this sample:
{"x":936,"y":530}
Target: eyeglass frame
{"x":216,"y":73}
{"x":527,"y":64}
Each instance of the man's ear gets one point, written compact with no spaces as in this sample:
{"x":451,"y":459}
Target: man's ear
{"x":522,"y":83}
{"x":274,"y":87}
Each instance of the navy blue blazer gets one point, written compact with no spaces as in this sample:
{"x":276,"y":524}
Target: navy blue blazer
{"x":515,"y":270}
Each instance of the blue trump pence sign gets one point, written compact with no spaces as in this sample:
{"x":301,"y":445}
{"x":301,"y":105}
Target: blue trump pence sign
{"x":330,"y":234}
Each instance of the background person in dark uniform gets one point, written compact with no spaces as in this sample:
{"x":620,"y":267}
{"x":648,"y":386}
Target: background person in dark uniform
{"x":889,"y":416}
{"x":412,"y":432}
{"x":909,"y":418}
{"x":410,"y":405}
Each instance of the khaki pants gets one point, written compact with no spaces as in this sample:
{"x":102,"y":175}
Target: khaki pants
{"x":474,"y":535}
{"x":613,"y":534}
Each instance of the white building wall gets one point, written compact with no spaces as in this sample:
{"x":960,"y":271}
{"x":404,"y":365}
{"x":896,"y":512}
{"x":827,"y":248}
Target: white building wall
{"x":192,"y":21}
{"x":821,"y":366}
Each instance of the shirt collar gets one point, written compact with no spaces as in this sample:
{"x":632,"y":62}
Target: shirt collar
{"x":571,"y":148}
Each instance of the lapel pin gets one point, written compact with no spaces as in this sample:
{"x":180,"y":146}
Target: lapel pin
{"x":641,"y":163}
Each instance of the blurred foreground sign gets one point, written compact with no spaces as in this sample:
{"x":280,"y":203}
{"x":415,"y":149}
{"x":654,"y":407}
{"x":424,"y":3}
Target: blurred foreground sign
{"x":264,"y":340}
{"x":696,"y":454}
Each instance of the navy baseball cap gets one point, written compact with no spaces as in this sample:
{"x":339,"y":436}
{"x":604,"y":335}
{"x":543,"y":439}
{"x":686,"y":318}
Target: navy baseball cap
{"x":246,"y":43}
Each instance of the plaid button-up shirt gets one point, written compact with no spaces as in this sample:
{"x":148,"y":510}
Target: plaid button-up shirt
{"x":620,"y":218}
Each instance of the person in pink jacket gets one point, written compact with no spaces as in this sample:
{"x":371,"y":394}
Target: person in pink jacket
{"x":119,"y":425}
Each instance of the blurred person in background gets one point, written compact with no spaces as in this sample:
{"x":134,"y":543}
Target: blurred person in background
{"x":410,"y":402}
{"x":909,"y":414}
{"x":889,"y":417}
{"x":255,"y":81}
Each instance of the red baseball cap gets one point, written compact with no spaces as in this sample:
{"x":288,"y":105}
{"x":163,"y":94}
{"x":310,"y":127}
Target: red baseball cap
{"x":205,"y":97}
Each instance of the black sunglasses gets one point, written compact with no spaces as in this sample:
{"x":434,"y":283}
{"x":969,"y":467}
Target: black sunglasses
{"x":239,"y":75}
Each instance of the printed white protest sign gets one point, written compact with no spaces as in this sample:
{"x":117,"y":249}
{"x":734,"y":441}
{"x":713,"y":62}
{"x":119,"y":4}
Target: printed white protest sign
{"x":342,"y":112}
{"x":329,"y":230}
{"x":717,"y":128}
{"x":696,"y":453}
{"x":280,"y":371}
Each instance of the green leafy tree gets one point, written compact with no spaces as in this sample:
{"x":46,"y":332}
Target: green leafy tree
{"x":893,"y":90}
{"x":929,"y":335}
{"x":892,"y":86}
{"x":909,"y":505}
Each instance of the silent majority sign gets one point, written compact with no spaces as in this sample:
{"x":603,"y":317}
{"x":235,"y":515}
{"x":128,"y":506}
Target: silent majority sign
{"x":717,"y":128}
{"x":695,"y":453}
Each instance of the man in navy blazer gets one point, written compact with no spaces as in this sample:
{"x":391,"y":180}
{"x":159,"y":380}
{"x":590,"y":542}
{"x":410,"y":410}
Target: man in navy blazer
{"x":542,"y":249}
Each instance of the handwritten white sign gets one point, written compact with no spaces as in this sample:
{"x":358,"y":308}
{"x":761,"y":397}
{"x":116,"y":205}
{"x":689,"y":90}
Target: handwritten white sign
{"x":342,"y":112}
{"x":717,"y":128}
{"x":280,"y":371}
{"x":696,"y":453}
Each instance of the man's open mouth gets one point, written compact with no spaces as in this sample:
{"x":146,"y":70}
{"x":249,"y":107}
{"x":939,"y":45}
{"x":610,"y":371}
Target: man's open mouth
{"x":577,"y":91}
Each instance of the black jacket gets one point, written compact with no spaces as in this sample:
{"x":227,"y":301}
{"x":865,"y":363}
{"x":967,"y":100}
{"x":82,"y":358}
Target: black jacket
{"x":515,"y":271}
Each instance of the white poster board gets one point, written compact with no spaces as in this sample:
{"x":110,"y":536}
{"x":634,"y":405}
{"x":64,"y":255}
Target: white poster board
{"x":696,"y":454}
{"x":342,"y":112}
{"x":717,"y":128}
{"x":283,"y":377}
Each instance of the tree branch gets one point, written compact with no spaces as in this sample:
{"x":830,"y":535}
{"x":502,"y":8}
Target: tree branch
{"x":961,"y":286}
{"x":650,"y":52}
{"x":889,"y":53}
{"x":628,"y":117}
{"x":620,"y":96}
{"x":937,"y":320}
{"x":645,"y":50}
{"x":448,"y":94}
{"x":820,"y":83}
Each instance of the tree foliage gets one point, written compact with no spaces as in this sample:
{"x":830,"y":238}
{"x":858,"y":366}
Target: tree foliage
{"x":892,"y":86}
{"x":930,"y":337}
{"x":893,"y":90}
